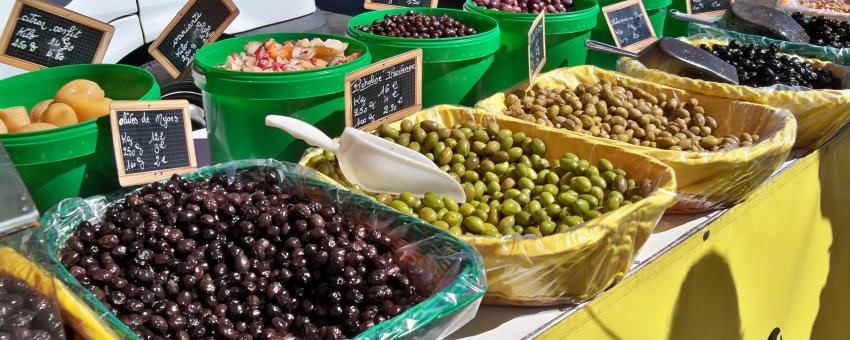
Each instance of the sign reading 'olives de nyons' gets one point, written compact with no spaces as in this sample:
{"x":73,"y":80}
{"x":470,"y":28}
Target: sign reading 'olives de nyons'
{"x":384,"y":91}
{"x":384,"y":4}
{"x":709,"y":8}
{"x":199,"y":22}
{"x":152,"y":140}
{"x":39,"y":34}
{"x":629,"y":25}
{"x":536,"y":46}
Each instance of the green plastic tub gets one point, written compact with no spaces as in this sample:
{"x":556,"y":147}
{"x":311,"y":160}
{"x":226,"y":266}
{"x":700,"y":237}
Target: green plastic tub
{"x":674,"y":27}
{"x":565,"y":37}
{"x":452,"y":68}
{"x":76,"y":160}
{"x":656,"y":10}
{"x":236,"y":103}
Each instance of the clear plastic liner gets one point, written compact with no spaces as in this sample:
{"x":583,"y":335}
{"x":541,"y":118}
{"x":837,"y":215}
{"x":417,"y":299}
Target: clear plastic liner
{"x":824,"y":53}
{"x":15,"y":269}
{"x":706,"y":180}
{"x":455,"y":271}
{"x":819,"y":113}
{"x":578,"y":264}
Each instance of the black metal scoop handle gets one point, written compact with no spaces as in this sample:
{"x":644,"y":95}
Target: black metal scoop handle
{"x":692,"y":18}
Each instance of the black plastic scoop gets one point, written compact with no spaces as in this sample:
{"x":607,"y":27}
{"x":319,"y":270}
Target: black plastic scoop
{"x":751,"y":18}
{"x":677,"y":57}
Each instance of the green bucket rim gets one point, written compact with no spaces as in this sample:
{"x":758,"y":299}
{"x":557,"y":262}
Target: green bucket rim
{"x":323,"y":81}
{"x":569,"y":22}
{"x":656,"y":4}
{"x":75,"y":131}
{"x":434,"y":49}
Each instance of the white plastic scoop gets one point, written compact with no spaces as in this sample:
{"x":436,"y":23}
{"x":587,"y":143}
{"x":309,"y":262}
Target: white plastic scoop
{"x":375,"y":164}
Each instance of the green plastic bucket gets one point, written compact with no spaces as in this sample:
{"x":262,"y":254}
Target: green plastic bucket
{"x":656,"y":10}
{"x":565,"y":37}
{"x":674,"y":27}
{"x":76,"y":160}
{"x":451,"y":67}
{"x":236,"y":103}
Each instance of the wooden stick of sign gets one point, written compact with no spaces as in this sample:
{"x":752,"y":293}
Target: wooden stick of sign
{"x":61,"y":12}
{"x":137,"y":178}
{"x":540,"y":20}
{"x":636,"y":46}
{"x":377,"y":4}
{"x":154,"y":51}
{"x":376,"y":67}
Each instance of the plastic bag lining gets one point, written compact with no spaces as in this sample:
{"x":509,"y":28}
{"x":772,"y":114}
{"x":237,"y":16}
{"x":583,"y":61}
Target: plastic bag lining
{"x":455,"y":275}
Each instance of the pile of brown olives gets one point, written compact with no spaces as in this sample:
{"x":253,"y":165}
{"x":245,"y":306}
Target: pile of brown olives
{"x":510,"y":186}
{"x":26,"y":314}
{"x":225,"y":258}
{"x":629,"y":114}
{"x":417,"y":25}
{"x":527,"y":6}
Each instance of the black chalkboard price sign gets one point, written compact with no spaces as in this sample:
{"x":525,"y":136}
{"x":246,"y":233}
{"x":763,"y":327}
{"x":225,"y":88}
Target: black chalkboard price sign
{"x":536,"y":46}
{"x":152,"y":140}
{"x":384,"y":91}
{"x":199,"y":22}
{"x":384,"y":4}
{"x":629,"y":25}
{"x":709,"y":8}
{"x":39,"y":34}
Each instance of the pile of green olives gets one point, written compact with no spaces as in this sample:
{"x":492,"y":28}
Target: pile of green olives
{"x":510,"y":186}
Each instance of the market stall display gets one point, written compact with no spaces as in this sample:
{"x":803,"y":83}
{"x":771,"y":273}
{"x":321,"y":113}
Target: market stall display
{"x":570,"y":262}
{"x":288,"y":56}
{"x":565,"y":36}
{"x":237,"y":102}
{"x":453,"y":61}
{"x":296,"y":256}
{"x":833,"y":9}
{"x":819,"y":113}
{"x":685,"y":131}
{"x":76,"y":159}
{"x":625,"y":24}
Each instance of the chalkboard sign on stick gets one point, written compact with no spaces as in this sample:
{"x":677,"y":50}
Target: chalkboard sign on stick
{"x":708,"y":8}
{"x":629,"y":25}
{"x":384,"y":91}
{"x":199,"y":22}
{"x":384,"y":4}
{"x":39,"y":34}
{"x":536,"y":46}
{"x":152,"y":140}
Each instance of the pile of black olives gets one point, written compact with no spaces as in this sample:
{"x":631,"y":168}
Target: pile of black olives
{"x":527,"y":6}
{"x":239,"y":259}
{"x":26,"y":314}
{"x":824,"y":31}
{"x":760,"y":67}
{"x":413,"y":24}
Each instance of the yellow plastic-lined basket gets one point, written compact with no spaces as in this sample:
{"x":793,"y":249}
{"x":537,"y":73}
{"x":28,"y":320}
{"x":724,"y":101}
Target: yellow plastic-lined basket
{"x":706,"y":180}
{"x":819,"y":113}
{"x":578,"y":264}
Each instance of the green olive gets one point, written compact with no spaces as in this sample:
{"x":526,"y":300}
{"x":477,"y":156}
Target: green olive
{"x":547,"y":227}
{"x":573,"y":220}
{"x":441,"y":225}
{"x":433,"y":201}
{"x":523,"y":218}
{"x":401,"y":206}
{"x":453,"y":218}
{"x":428,"y":214}
{"x":567,"y":198}
{"x":605,"y":165}
{"x":591,"y":200}
{"x":580,"y":206}
{"x":510,"y":207}
{"x":474,"y":224}
{"x":581,"y":184}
